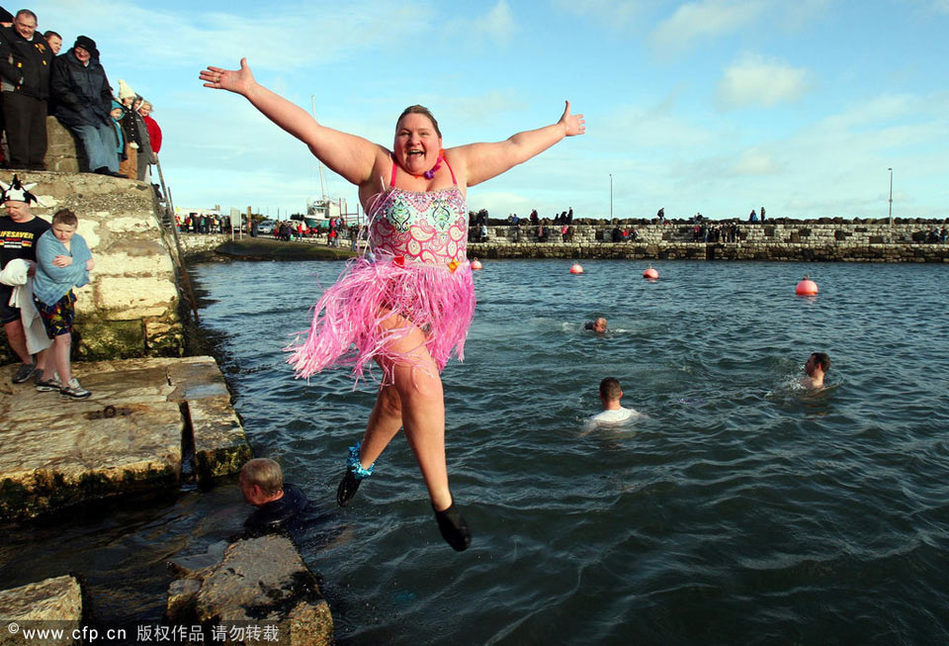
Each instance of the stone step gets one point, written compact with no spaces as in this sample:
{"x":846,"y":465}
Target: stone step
{"x":126,"y":439}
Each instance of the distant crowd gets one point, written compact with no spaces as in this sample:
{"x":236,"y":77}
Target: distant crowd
{"x":560,"y":228}
{"x":287,"y":230}
{"x":117,"y":133}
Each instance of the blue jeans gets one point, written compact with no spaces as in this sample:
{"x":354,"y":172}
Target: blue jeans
{"x":99,"y":142}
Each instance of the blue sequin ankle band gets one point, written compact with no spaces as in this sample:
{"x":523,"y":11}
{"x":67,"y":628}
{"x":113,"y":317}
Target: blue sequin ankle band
{"x":353,"y":463}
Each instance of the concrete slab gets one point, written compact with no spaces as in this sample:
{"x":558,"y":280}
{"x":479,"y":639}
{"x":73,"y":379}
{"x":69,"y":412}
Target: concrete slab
{"x":126,"y":438}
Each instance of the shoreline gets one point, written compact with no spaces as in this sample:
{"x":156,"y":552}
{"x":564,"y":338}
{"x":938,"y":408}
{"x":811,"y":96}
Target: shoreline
{"x":778,"y":241}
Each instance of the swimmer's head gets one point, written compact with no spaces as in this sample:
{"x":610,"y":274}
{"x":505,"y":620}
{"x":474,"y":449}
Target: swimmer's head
{"x":610,"y":389}
{"x":599,"y":325}
{"x":817,"y":360}
{"x":261,"y":480}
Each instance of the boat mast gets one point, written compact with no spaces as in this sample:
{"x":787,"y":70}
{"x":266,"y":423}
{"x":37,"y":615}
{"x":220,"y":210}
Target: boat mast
{"x":319,"y":164}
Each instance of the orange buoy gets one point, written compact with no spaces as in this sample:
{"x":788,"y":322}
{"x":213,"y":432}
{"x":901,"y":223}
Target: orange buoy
{"x":576,"y":268}
{"x":475,"y":264}
{"x":651,"y":274}
{"x":806,"y":287}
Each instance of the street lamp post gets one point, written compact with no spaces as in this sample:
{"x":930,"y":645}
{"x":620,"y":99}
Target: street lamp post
{"x":611,"y":197}
{"x":891,"y":204}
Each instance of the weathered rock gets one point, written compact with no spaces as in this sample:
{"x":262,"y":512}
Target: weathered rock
{"x":125,"y":439}
{"x":260,"y":581}
{"x":54,"y":604}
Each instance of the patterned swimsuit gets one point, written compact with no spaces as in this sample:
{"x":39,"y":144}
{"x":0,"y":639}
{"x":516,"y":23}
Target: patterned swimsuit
{"x":416,"y":276}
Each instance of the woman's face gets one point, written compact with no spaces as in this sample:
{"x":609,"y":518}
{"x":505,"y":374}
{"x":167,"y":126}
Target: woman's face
{"x":417,"y":144}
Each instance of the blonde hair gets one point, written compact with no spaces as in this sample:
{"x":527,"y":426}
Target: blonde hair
{"x":265,"y":473}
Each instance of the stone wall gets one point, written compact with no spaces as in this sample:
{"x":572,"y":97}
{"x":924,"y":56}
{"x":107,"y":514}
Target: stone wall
{"x":61,"y":149}
{"x":130,"y":307}
{"x":783,"y":240}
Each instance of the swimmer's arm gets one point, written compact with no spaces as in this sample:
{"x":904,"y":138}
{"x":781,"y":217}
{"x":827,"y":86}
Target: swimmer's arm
{"x":482,"y":161}
{"x":350,"y":156}
{"x":588,"y":427}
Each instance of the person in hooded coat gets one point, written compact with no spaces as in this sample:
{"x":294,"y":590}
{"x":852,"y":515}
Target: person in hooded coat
{"x":83,"y":102}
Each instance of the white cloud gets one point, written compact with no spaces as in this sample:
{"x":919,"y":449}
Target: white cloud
{"x":940,"y":6}
{"x":271,"y":40}
{"x":498,"y":24}
{"x":755,"y":162}
{"x":754,"y":81}
{"x":707,"y":19}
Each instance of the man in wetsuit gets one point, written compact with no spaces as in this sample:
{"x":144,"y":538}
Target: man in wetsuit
{"x":278,"y":503}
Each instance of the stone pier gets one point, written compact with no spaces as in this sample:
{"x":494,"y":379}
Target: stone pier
{"x":784,"y":239}
{"x":147,"y":422}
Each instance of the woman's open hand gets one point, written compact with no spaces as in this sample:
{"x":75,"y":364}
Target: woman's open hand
{"x":239,"y":81}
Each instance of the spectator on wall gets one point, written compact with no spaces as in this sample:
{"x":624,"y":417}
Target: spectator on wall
{"x":25,"y":60}
{"x":83,"y":102}
{"x":54,"y":40}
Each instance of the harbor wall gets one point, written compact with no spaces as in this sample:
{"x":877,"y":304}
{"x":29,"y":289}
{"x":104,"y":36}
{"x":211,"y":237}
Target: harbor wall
{"x":130,"y":307}
{"x":831,"y":240}
{"x":781,"y":240}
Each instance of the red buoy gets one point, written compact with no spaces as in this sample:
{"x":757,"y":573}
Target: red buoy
{"x":806,"y":287}
{"x":475,"y":264}
{"x":651,"y":274}
{"x":576,"y":268}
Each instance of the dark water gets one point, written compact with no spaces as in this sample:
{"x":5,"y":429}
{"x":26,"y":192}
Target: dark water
{"x":740,"y":509}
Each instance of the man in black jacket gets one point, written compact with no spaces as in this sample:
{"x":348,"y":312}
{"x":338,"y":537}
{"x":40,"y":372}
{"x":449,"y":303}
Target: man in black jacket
{"x":83,"y":100}
{"x":25,"y":61}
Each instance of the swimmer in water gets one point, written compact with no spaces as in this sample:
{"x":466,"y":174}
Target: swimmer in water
{"x":613,"y":412}
{"x":597,"y":325}
{"x":817,"y":365}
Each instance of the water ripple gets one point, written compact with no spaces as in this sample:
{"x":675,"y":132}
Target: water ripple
{"x":739,"y":509}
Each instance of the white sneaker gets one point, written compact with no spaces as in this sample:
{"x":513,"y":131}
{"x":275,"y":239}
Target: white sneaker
{"x":74,"y":390}
{"x":47,"y":385}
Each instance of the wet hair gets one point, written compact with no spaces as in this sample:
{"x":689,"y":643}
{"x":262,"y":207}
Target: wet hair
{"x":265,"y":473}
{"x":822,"y":360}
{"x":420,"y":109}
{"x":67,"y":217}
{"x":610,"y":389}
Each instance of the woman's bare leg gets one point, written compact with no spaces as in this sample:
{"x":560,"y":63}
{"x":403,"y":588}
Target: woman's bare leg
{"x":414,"y":400}
{"x":421,"y":401}
{"x":384,"y":423}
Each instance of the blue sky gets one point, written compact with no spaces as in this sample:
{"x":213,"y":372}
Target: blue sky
{"x":712,"y":106}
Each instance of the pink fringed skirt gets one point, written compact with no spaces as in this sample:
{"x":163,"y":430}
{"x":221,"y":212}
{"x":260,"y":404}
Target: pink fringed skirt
{"x":353,"y":320}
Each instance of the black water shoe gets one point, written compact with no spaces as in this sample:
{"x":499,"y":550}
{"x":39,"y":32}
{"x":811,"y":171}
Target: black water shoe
{"x":453,"y":527}
{"x":347,"y":488}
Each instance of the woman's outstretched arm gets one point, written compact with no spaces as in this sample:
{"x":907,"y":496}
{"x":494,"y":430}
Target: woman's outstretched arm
{"x":350,"y":156}
{"x":483,"y":161}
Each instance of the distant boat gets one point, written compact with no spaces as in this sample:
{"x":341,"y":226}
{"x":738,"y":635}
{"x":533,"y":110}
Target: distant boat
{"x":320,"y":211}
